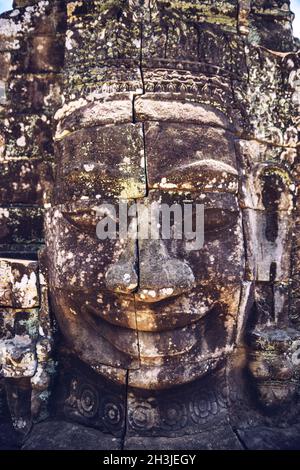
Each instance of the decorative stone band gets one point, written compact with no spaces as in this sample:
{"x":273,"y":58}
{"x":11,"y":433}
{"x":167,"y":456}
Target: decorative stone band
{"x":129,"y":74}
{"x":110,"y":76}
{"x":158,"y":84}
{"x":213,"y":90}
{"x":90,"y":399}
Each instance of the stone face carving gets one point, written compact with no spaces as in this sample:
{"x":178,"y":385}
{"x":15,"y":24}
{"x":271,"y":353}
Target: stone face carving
{"x":150,"y":101}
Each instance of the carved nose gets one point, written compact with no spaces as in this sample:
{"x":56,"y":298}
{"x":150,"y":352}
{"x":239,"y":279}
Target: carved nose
{"x":160,"y":275}
{"x":122,"y":277}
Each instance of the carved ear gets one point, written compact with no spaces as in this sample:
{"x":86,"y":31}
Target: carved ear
{"x":274,"y":187}
{"x":267,"y":187}
{"x":268,"y":224}
{"x":277,"y":222}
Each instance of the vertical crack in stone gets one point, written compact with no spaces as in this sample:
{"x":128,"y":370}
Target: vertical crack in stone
{"x":255,"y":82}
{"x":230,"y":407}
{"x":144,"y":91}
{"x":241,"y":441}
{"x":137,"y":248}
{"x":166,"y":43}
{"x":123,"y":438}
{"x":243,"y":11}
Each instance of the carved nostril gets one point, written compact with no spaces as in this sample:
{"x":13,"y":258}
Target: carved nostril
{"x":179,"y":274}
{"x":167,"y":278}
{"x":121,"y":277}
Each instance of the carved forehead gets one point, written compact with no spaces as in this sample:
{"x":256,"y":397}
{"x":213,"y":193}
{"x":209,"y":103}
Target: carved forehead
{"x":106,"y":147}
{"x":114,"y":158}
{"x":167,"y":144}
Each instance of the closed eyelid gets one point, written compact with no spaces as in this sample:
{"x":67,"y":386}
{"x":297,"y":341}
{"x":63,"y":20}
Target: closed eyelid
{"x":219,"y":218}
{"x":211,"y":165}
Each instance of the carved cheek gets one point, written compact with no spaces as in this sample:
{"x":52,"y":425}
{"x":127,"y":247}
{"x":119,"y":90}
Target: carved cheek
{"x":222,"y":259}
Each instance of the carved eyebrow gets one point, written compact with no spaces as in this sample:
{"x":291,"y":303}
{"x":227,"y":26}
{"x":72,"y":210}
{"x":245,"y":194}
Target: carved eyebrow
{"x":77,"y":115}
{"x":213,"y":165}
{"x":149,"y":109}
{"x":99,"y":113}
{"x":24,"y":262}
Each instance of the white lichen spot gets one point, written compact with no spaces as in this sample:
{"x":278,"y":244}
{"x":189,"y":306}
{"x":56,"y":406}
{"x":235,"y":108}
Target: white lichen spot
{"x":4,"y":213}
{"x":21,"y":141}
{"x":88,"y":167}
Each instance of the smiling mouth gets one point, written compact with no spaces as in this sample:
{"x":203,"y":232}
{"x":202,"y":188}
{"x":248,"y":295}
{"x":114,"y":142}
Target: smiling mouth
{"x":134,"y":313}
{"x":150,"y":347}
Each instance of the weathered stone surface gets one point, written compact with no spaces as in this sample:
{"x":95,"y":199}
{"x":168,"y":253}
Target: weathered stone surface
{"x":27,"y":135}
{"x":61,"y":435}
{"x":264,"y":438}
{"x":161,"y":343}
{"x":18,"y":346}
{"x":37,"y":93}
{"x":151,"y":107}
{"x":109,"y":162}
{"x":30,"y":181}
{"x":21,"y":225}
{"x":220,"y":439}
{"x":19,"y":288}
{"x":25,"y":340}
{"x":174,"y":151}
{"x":274,"y":365}
{"x":272,"y":235}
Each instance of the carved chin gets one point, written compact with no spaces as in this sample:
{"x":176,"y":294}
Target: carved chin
{"x":167,"y":376}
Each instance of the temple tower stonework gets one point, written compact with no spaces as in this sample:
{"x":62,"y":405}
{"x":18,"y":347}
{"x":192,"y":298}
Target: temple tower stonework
{"x":146,"y":343}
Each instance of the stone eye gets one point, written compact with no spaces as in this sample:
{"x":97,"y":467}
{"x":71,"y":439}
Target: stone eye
{"x":218,"y":220}
{"x":85,"y":220}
